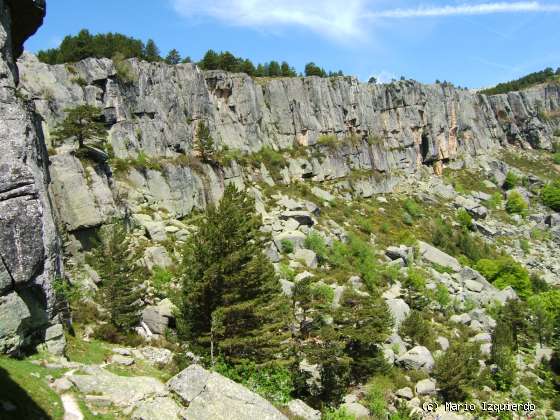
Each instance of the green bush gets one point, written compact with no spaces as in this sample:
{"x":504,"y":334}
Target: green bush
{"x":465,"y":219}
{"x":412,"y":208}
{"x":511,"y":181}
{"x":287,"y":246}
{"x":418,"y":330}
{"x":551,"y":195}
{"x":556,"y":158}
{"x":378,"y":393}
{"x":272,"y":382}
{"x":329,"y":141}
{"x":516,"y":204}
{"x":495,"y":201}
{"x":338,"y":414}
{"x":442,"y":295}
{"x":503,"y":272}
{"x":316,"y":243}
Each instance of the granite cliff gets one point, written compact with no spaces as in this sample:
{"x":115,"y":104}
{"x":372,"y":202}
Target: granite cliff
{"x":29,"y":251}
{"x":383,"y":132}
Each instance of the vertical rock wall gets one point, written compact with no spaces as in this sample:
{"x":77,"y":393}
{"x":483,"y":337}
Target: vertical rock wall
{"x":29,"y":258}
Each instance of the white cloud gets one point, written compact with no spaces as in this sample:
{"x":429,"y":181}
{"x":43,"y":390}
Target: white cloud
{"x":466,"y":9}
{"x":334,"y":18}
{"x":338,"y":19}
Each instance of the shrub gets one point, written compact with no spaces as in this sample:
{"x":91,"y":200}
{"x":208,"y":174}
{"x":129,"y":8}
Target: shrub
{"x":556,"y":158}
{"x":287,"y":246}
{"x":338,"y":414}
{"x":273,"y":382}
{"x":329,"y":141}
{"x":442,"y":295}
{"x":516,"y":204}
{"x":465,"y":219}
{"x":511,"y":181}
{"x":124,"y":69}
{"x":525,"y":246}
{"x":418,"y":330}
{"x":495,"y":201}
{"x":316,"y":243}
{"x":505,"y":272}
{"x":378,"y":393}
{"x":551,"y":195}
{"x":412,"y":208}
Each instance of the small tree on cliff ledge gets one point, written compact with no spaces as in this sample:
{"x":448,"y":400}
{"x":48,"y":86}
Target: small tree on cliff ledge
{"x":231,"y":301}
{"x":81,"y":123}
{"x":204,"y":143}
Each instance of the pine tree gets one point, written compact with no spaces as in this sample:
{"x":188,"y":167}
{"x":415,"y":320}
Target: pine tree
{"x":173,"y":57}
{"x":502,"y":354}
{"x":117,"y":264}
{"x":363,"y":323}
{"x":81,"y":123}
{"x":456,"y":370}
{"x":151,"y":51}
{"x":204,"y":143}
{"x":231,"y":301}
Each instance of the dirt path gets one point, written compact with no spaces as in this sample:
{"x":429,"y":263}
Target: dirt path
{"x":71,"y":408}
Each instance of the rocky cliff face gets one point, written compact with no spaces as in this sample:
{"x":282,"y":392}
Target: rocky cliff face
{"x":384,"y":131}
{"x":28,"y":242}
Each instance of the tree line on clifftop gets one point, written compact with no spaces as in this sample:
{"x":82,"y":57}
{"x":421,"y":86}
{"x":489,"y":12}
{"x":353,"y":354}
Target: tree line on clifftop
{"x":109,"y":45}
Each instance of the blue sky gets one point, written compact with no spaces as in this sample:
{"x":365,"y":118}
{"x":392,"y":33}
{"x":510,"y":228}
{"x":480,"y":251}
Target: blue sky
{"x":474,"y":44}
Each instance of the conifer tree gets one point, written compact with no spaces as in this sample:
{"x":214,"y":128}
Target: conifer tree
{"x":173,"y":57}
{"x":363,"y":323}
{"x":117,"y":264}
{"x":230,"y":294}
{"x":151,"y":51}
{"x":81,"y":123}
{"x":204,"y":143}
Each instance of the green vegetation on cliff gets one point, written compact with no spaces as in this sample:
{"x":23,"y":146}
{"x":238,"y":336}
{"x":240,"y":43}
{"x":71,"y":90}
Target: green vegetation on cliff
{"x":546,"y":75}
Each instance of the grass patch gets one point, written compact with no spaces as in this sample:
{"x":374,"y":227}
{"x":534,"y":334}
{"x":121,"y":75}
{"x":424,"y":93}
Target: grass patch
{"x":25,"y":385}
{"x":88,"y":352}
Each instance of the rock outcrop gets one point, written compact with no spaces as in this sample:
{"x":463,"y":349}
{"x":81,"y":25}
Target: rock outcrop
{"x":381,"y":132}
{"x":29,"y":249}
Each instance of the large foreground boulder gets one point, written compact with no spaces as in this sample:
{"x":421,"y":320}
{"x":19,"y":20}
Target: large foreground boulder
{"x":417,"y":358}
{"x":211,"y":396}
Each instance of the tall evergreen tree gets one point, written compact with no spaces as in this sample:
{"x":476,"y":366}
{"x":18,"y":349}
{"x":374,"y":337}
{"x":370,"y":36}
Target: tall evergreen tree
{"x":363,"y":323}
{"x":173,"y":57}
{"x":230,"y":295}
{"x":151,"y":51}
{"x":116,"y":262}
{"x":81,"y":123}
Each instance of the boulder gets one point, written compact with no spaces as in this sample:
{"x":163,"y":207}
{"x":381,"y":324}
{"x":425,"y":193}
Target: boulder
{"x":405,"y":393}
{"x":443,"y":343}
{"x":482,"y":338}
{"x":417,"y":358}
{"x":122,"y":360}
{"x":287,"y":287}
{"x":356,"y":409}
{"x":55,"y":340}
{"x":296,"y":237}
{"x":158,"y":408}
{"x":403,"y":252}
{"x":154,"y":355}
{"x":473,"y":286}
{"x":434,"y":255}
{"x":122,"y":391}
{"x":156,"y":231}
{"x":211,"y":396}
{"x":322,"y":194}
{"x":301,"y":217}
{"x":156,"y":256}
{"x":426,"y":387}
{"x":307,"y":256}
{"x":399,"y":310}
{"x":13,"y":313}
{"x":301,"y":410}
